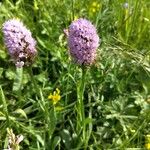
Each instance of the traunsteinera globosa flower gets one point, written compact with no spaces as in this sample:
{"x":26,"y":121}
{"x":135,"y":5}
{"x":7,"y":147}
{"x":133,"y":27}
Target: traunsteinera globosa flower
{"x":19,"y":42}
{"x":83,"y":41}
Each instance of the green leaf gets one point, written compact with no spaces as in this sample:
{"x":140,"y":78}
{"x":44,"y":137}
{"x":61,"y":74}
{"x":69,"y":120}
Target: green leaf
{"x":3,"y":54}
{"x":18,"y":80}
{"x":56,"y":141}
{"x":66,"y":138}
{"x":41,"y":43}
{"x":52,"y":121}
{"x":10,"y":74}
{"x":39,"y":138}
{"x":3,"y":101}
{"x":1,"y":71}
{"x":21,"y":112}
{"x":88,"y":120}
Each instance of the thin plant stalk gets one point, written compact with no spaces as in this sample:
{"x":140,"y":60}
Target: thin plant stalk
{"x":50,"y":116}
{"x":2,"y":97}
{"x":133,"y":21}
{"x":72,"y":5}
{"x":17,"y":85}
{"x":34,"y":82}
{"x":80,"y":104}
{"x":38,"y":91}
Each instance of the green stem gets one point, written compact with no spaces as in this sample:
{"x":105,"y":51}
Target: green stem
{"x":72,"y":9}
{"x":17,"y":85}
{"x":2,"y":97}
{"x":34,"y":82}
{"x":133,"y":21}
{"x":50,"y":116}
{"x":80,"y":105}
{"x":40,"y":95}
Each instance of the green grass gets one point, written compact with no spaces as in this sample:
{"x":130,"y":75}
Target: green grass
{"x":115,"y":113}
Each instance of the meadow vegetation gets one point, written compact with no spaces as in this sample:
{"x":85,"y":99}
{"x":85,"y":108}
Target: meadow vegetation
{"x":40,"y":101}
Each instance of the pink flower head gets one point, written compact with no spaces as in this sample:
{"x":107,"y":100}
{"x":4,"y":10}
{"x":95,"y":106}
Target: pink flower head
{"x":19,"y":41}
{"x":83,"y":41}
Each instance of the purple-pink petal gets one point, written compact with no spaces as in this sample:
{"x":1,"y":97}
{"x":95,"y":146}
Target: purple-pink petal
{"x":19,"y":42}
{"x":83,"y":41}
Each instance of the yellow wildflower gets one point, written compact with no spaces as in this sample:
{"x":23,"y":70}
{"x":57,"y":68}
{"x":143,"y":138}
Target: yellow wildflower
{"x":55,"y":97}
{"x":94,"y":7}
{"x":147,"y":138}
{"x":147,"y":142}
{"x":93,"y":10}
{"x":98,"y":6}
{"x":94,"y":4}
{"x":147,"y":146}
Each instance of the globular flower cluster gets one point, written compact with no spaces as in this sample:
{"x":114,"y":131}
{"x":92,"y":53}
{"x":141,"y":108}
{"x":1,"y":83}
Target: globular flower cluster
{"x":83,"y":41}
{"x":19,"y":41}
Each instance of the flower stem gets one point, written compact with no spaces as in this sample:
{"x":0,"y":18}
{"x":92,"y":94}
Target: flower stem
{"x":72,"y":9}
{"x":34,"y":82}
{"x":80,"y":104}
{"x":17,"y":85}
